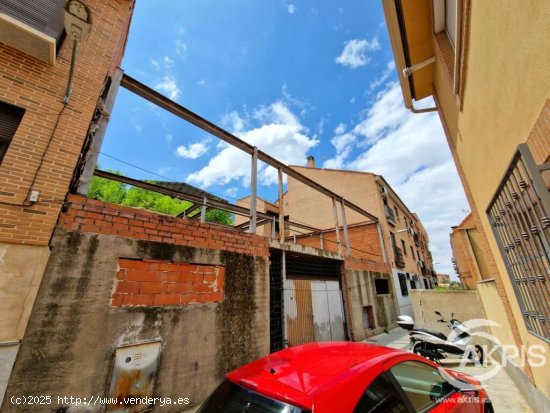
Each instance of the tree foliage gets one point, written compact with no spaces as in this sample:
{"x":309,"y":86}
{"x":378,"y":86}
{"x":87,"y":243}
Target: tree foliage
{"x":122,"y":194}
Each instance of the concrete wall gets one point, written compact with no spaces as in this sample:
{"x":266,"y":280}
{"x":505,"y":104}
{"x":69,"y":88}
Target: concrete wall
{"x":361,"y":292}
{"x":466,"y":305}
{"x":21,"y":269}
{"x":73,"y":331}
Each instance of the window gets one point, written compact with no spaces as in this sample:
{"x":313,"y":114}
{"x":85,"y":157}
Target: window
{"x":403,"y":284}
{"x":404,"y":248}
{"x":382,"y":286}
{"x":229,"y":397}
{"x":450,"y":21}
{"x":518,"y":214}
{"x":413,"y":283}
{"x":423,"y":384}
{"x":396,"y":213}
{"x":381,"y":397}
{"x":10,"y":118}
{"x":412,"y":252}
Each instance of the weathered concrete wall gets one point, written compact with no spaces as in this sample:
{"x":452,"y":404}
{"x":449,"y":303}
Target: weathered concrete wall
{"x":361,"y":292}
{"x":73,"y":332}
{"x":466,"y":305}
{"x":21,"y":269}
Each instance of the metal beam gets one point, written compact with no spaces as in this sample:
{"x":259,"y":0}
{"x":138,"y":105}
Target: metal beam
{"x":337,"y":227}
{"x":259,"y":223}
{"x":190,"y":209}
{"x":253,"y":188}
{"x":214,"y":203}
{"x":97,"y":138}
{"x":345,"y":225}
{"x":281,"y":208}
{"x":158,"y":99}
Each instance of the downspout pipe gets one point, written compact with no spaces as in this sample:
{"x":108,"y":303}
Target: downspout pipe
{"x":408,"y":71}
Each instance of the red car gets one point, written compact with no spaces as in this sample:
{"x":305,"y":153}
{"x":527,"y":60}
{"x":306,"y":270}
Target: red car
{"x":336,"y":377}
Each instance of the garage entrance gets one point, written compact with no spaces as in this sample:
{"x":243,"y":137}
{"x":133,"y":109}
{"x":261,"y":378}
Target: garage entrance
{"x":308,"y":305}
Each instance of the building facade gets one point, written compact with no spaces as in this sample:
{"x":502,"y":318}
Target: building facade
{"x":492,"y":91}
{"x":46,"y":107}
{"x":402,"y":238}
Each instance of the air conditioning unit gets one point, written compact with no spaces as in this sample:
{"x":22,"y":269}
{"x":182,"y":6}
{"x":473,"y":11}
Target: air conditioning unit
{"x":410,"y":231}
{"x":383,"y":191}
{"x":420,"y":263}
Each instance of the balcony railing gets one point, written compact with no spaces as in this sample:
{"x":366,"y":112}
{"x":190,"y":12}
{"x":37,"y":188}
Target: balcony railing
{"x":399,"y":261}
{"x":390,"y":215}
{"x":520,"y":216}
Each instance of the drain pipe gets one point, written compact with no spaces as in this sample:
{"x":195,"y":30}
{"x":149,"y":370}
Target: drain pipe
{"x":408,"y":71}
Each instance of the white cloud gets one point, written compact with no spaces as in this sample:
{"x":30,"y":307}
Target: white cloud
{"x":386,"y":115}
{"x":279,"y":134}
{"x":314,"y":11}
{"x":343,"y":144}
{"x":375,"y":84}
{"x":193,"y":151}
{"x":233,"y":122}
{"x":340,"y":129}
{"x":231,"y":192}
{"x":163,"y":63}
{"x":352,"y":100}
{"x":410,"y":151}
{"x":201,"y":82}
{"x":181,"y":47}
{"x":169,"y":85}
{"x":355,"y":52}
{"x":291,"y":8}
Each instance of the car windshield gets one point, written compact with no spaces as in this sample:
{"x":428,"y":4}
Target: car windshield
{"x":230,"y":398}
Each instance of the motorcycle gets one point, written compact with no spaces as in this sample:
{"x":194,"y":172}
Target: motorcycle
{"x":434,"y":345}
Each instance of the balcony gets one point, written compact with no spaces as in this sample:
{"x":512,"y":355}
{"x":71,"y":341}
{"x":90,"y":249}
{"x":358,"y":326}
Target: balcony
{"x":399,"y":261}
{"x":390,"y":215}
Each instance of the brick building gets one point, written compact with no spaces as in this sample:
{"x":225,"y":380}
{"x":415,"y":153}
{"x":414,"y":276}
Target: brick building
{"x":42,"y":130}
{"x":398,"y":238}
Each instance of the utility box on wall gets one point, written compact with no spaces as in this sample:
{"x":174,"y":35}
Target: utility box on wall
{"x":133,"y":377}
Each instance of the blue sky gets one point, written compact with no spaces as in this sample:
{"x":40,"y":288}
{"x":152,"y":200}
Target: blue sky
{"x":293,"y":78}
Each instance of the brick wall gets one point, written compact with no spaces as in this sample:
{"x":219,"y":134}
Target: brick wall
{"x":93,"y":216}
{"x":39,"y":89}
{"x":366,"y":251}
{"x":156,"y":283}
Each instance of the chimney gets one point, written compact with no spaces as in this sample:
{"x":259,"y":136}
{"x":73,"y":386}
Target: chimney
{"x":311,"y":161}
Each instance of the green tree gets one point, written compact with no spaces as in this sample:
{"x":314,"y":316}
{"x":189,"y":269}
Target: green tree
{"x":106,"y":190}
{"x":118,"y":193}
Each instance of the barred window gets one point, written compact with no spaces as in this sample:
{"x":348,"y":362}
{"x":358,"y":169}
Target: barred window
{"x":519,"y":216}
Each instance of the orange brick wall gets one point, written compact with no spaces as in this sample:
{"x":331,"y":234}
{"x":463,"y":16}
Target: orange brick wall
{"x":366,"y":251}
{"x":39,"y":89}
{"x":93,"y":216}
{"x":157,"y":283}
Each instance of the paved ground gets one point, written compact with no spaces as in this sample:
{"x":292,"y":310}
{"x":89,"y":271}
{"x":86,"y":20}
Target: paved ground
{"x":501,"y":389}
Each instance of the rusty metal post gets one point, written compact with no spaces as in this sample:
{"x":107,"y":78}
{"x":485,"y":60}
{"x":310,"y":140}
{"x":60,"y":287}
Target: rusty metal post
{"x":253,"y":192}
{"x":336,"y":225}
{"x":281,"y":209}
{"x":203,"y":210}
{"x":345,"y":225}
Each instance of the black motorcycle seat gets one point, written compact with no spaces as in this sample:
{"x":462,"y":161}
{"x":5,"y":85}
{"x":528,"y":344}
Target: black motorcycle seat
{"x":433,"y":333}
